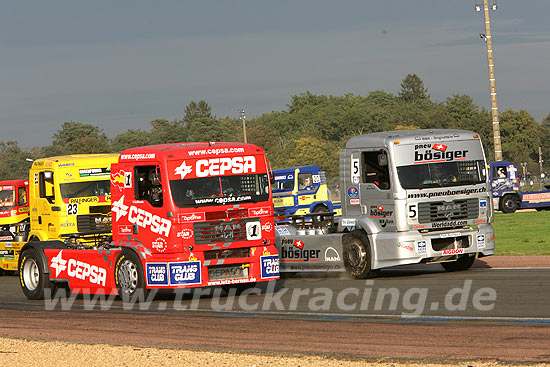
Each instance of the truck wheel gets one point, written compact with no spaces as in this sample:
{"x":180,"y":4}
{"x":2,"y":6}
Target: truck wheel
{"x":319,"y":209}
{"x":463,"y":263}
{"x":129,"y":278}
{"x":357,"y":256}
{"x":509,"y":204}
{"x":32,"y":276}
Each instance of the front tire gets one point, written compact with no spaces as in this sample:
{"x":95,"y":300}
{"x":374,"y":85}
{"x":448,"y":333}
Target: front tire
{"x":509,"y":204}
{"x":32,"y":275}
{"x":357,"y":255}
{"x":462,"y":263}
{"x":129,"y":276}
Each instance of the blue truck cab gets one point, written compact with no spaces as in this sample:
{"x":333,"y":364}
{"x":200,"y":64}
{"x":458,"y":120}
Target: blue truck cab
{"x":505,"y":189}
{"x":301,"y":190}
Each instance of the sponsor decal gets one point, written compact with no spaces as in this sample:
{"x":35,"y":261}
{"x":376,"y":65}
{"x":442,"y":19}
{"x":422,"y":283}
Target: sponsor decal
{"x":253,"y":230}
{"x":448,"y":235}
{"x":420,"y":247}
{"x":6,"y":238}
{"x":157,"y":273}
{"x":259,"y":212}
{"x":424,"y":153}
{"x":137,"y":156}
{"x":93,"y":199}
{"x":184,"y":273}
{"x":141,"y":217}
{"x":406,"y":246}
{"x":117,"y":180}
{"x":192,"y":217}
{"x":7,"y":254}
{"x":379,"y":212}
{"x":354,"y":201}
{"x":267,"y":227}
{"x":353,"y":192}
{"x":66,"y":224}
{"x":186,"y":234}
{"x":348,"y":222}
{"x":449,"y":192}
{"x":477,"y":221}
{"x":218,"y":167}
{"x":215,"y":151}
{"x":297,"y":254}
{"x":299,"y":244}
{"x":480,"y":241}
{"x":159,"y":244}
{"x":223,"y":200}
{"x":89,"y":172}
{"x":384,"y":222}
{"x":536,"y":198}
{"x":331,"y":255}
{"x":269,"y":266}
{"x":453,"y":251}
{"x":455,"y":223}
{"x":282,"y":230}
{"x":125,"y":229}
{"x":65,"y":165}
{"x":316,"y":179}
{"x":78,"y":269}
{"x":482,"y":203}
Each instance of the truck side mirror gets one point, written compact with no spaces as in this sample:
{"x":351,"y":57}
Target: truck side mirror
{"x":382,"y":160}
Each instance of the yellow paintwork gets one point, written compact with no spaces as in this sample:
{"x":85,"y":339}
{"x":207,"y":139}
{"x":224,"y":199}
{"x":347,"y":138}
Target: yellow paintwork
{"x":66,"y":169}
{"x":10,"y":263}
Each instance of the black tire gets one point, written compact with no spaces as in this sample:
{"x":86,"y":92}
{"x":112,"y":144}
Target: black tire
{"x":239,"y":288}
{"x":462,"y":263}
{"x":32,"y":275}
{"x":129,"y":276}
{"x":509,"y":204}
{"x":357,"y":255}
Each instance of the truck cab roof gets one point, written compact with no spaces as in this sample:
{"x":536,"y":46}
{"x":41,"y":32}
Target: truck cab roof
{"x":381,"y":139}
{"x":303,"y":169}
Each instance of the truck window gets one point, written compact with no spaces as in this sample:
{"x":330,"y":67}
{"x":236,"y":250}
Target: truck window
{"x":148,"y":185}
{"x":45,"y":185}
{"x":22,"y":196}
{"x":305,"y":181}
{"x":7,"y":198}
{"x":500,"y":172}
{"x":375,"y":169}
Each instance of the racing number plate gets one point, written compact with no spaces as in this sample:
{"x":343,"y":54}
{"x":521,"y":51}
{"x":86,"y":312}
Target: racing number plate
{"x":228,"y":272}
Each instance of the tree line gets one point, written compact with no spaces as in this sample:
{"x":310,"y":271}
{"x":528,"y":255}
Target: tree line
{"x":311,"y":130}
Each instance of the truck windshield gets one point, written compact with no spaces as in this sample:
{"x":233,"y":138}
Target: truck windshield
{"x":280,"y":186}
{"x":220,"y":190}
{"x":7,"y":199}
{"x":446,"y":174}
{"x":85,"y":188}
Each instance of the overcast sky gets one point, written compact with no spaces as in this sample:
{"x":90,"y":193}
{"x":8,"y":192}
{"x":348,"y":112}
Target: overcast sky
{"x":120,"y":64}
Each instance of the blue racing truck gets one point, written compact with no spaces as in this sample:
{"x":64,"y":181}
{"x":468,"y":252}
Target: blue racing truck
{"x":505,"y":189}
{"x":301,"y":191}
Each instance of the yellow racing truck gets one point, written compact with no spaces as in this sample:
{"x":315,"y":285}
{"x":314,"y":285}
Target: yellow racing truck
{"x":14,"y":217}
{"x":69,"y":199}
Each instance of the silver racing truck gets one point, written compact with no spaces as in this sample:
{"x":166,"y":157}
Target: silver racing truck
{"x":408,"y":197}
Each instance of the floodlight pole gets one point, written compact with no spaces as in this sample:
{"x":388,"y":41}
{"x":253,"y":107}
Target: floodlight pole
{"x":492,"y":86}
{"x":243,"y":118}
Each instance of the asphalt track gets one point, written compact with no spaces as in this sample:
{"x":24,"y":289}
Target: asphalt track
{"x":419,"y":313}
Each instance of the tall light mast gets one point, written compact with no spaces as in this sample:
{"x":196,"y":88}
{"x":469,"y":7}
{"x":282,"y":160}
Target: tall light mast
{"x":491,"y":63}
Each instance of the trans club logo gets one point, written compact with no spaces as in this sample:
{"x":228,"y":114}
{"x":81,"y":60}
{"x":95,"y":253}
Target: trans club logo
{"x":270,"y":266}
{"x":185,"y":273}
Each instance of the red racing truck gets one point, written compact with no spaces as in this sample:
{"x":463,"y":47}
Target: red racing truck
{"x":183,"y":215}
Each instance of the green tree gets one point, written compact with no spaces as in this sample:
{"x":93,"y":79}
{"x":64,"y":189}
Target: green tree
{"x":131,"y":139}
{"x":14,"y":164}
{"x":197,"y":110}
{"x":165,"y":131}
{"x":520,"y":137}
{"x":412,"y":89}
{"x":78,"y":138}
{"x":211,"y":129}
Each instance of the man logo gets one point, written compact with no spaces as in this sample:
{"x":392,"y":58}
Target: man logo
{"x":331,"y":255}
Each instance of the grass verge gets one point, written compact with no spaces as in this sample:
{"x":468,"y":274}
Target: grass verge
{"x":522,"y":233}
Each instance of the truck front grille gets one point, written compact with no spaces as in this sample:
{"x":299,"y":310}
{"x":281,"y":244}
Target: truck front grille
{"x":93,"y":222}
{"x":439,"y":211}
{"x":220,"y":231}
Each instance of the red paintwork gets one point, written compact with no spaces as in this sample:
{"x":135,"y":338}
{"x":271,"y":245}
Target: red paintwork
{"x":164,"y":238}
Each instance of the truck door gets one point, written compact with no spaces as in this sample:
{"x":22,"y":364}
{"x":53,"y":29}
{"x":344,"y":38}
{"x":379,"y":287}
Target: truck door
{"x":48,"y":203}
{"x":375,"y":187}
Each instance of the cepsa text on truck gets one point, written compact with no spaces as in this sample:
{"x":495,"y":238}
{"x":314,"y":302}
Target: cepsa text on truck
{"x":182,"y":216}
{"x":408,"y":197}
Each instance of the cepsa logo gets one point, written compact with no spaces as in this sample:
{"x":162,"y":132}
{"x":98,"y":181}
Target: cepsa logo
{"x":436,"y":153}
{"x":78,"y":269}
{"x":141,"y":217}
{"x":218,"y":167}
